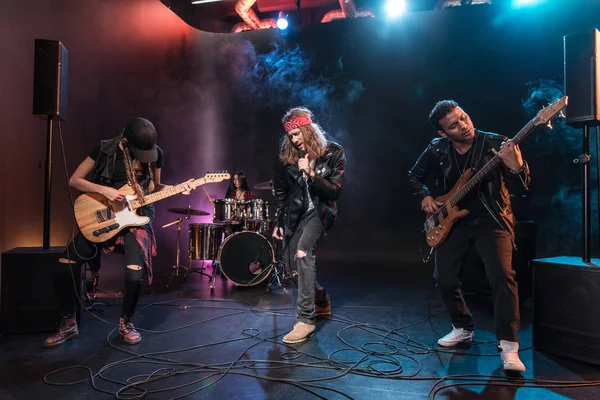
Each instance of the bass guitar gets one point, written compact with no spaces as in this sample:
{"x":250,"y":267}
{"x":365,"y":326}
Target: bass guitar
{"x":438,"y":224}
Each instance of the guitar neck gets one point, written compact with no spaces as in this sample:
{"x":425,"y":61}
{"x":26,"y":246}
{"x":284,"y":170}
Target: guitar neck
{"x":479,"y":175}
{"x":163,"y":194}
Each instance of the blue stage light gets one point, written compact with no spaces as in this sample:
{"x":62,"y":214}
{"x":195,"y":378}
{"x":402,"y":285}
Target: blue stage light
{"x":526,"y":3}
{"x":282,"y":23}
{"x":395,"y":8}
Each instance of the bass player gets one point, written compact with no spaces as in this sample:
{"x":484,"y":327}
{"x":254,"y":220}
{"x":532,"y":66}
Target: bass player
{"x":489,"y":225}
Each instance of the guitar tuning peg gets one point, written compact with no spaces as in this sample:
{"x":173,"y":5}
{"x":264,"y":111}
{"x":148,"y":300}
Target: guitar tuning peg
{"x":549,"y":125}
{"x":561,"y":114}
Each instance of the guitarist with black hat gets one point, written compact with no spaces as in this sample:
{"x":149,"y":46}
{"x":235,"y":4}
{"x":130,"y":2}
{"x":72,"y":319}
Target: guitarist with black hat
{"x":131,"y":158}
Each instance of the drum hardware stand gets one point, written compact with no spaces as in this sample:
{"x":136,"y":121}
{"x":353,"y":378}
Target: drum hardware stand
{"x":216,"y":267}
{"x":176,"y":267}
{"x":277,"y":274}
{"x":279,"y":271}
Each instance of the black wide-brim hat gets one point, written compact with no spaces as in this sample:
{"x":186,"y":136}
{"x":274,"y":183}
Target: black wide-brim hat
{"x":141,"y":139}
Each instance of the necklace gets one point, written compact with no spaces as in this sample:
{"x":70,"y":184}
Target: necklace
{"x":464,"y":168}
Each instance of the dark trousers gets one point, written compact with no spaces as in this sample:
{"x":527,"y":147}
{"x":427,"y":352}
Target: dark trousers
{"x":81,"y":250}
{"x":494,"y":246}
{"x":305,"y":238}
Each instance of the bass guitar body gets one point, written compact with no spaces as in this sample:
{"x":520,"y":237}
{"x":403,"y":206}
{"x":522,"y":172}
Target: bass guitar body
{"x":440,"y":223}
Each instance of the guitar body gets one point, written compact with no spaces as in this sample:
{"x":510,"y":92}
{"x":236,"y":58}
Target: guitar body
{"x":447,"y":217}
{"x":100,"y":219}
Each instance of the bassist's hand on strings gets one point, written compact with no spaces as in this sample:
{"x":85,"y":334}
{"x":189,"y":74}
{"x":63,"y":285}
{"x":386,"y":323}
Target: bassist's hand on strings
{"x":429,"y":204}
{"x":510,"y":154}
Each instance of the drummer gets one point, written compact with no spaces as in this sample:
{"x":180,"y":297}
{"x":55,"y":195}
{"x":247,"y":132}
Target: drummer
{"x":238,"y":188}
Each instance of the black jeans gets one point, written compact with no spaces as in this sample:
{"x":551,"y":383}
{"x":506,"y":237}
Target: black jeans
{"x":81,"y":250}
{"x":494,"y":246}
{"x":305,"y":238}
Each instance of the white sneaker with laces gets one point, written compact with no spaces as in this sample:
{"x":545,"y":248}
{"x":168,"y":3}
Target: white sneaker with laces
{"x":509,"y":353}
{"x":457,"y":337}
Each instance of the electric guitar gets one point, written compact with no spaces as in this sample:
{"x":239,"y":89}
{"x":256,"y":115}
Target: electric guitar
{"x":100,"y":219}
{"x":438,"y":224}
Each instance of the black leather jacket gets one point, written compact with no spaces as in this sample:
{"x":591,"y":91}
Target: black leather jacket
{"x":325,"y":188}
{"x":435,"y":161}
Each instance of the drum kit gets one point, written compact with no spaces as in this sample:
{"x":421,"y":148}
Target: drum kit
{"x":238,"y":242}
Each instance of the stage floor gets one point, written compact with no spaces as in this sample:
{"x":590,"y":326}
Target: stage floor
{"x":378,"y":344}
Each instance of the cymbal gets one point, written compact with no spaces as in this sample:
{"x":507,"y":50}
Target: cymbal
{"x":184,"y":211}
{"x":268,"y":185}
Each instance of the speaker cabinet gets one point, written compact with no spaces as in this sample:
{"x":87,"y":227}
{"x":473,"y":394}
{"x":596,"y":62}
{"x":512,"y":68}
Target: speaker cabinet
{"x":566,"y":318}
{"x":582,"y":77}
{"x":50,"y":79}
{"x":27,"y":300}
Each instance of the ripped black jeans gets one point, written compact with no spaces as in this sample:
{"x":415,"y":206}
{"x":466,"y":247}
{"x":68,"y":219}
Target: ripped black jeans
{"x":305,"y":239}
{"x":79,"y":251}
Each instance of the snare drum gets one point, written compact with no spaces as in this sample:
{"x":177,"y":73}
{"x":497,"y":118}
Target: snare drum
{"x":246,"y":258}
{"x":264,"y":227}
{"x":205,"y":240}
{"x":256,"y":209}
{"x":226,"y":210}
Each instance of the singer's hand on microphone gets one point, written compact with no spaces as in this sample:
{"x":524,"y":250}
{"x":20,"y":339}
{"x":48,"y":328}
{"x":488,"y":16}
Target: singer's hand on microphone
{"x":278,"y":233}
{"x":304,"y":165}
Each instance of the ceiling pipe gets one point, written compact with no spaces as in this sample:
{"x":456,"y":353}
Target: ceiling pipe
{"x":441,"y":4}
{"x":240,"y":27}
{"x":339,"y":14}
{"x":264,"y":24}
{"x":347,"y":10}
{"x":251,"y":20}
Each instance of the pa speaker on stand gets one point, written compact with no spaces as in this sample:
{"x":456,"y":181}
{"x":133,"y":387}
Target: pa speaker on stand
{"x":49,"y":102}
{"x":567,"y":289}
{"x":582,"y":87}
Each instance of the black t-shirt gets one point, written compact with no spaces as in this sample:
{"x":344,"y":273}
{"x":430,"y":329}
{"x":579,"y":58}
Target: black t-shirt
{"x":120,"y":173}
{"x":471,"y":201}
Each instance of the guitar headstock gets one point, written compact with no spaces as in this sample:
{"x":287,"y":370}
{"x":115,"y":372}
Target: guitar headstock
{"x":216,"y":176}
{"x":544,"y":116}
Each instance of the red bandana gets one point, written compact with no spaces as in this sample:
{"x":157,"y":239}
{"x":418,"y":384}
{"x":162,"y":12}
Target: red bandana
{"x":296,"y":123}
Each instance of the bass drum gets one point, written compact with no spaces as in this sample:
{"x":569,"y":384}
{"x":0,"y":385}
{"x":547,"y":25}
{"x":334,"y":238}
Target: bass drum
{"x":246,"y":258}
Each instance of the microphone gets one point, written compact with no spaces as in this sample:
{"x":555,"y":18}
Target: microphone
{"x":302,"y":154}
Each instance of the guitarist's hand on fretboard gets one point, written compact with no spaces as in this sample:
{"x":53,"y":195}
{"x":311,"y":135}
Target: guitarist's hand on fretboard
{"x":188,"y":187}
{"x":510,"y":154}
{"x":430,"y":205}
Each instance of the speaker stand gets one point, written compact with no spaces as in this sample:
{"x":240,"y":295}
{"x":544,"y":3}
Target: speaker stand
{"x":48,"y":186}
{"x":586,"y":195}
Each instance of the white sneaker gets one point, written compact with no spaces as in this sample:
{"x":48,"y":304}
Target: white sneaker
{"x":509,"y":353}
{"x":457,"y":337}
